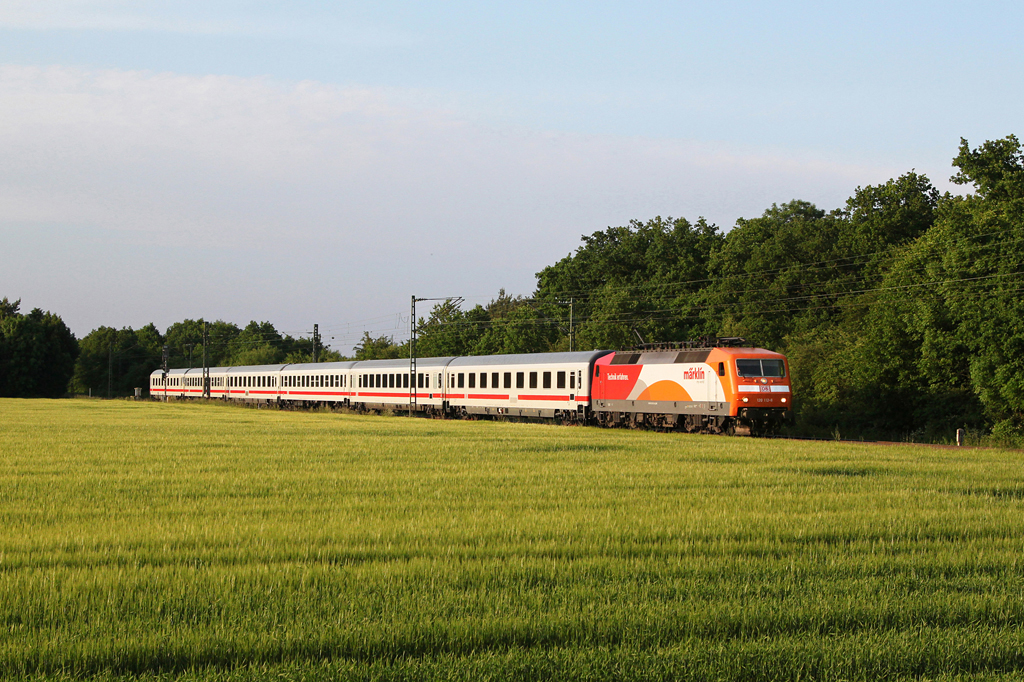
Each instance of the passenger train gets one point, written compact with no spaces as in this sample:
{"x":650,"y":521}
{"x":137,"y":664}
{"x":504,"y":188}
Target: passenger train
{"x":725,"y":388}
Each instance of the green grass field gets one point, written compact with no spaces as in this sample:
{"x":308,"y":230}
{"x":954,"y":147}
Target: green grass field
{"x":175,"y":541}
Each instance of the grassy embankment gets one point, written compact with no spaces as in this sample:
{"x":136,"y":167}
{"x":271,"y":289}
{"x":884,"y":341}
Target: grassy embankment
{"x":211,"y":542}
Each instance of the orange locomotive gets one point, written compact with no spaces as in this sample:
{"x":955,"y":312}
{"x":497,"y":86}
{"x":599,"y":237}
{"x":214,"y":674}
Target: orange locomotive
{"x":724,"y":388}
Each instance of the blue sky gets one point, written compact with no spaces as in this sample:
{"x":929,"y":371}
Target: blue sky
{"x":311,"y":162}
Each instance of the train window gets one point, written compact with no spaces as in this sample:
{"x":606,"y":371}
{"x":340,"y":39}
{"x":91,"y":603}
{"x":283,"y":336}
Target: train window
{"x":533,"y":380}
{"x":760,"y":368}
{"x":560,"y":380}
{"x":483,"y":379}
{"x":520,"y":380}
{"x":572,"y":379}
{"x":462,"y":380}
{"x":547,"y":380}
{"x":378,"y":382}
{"x":721,"y":369}
{"x":438,"y":380}
{"x":405,"y":381}
{"x":419,"y":379}
{"x":472,"y":379}
{"x":494,"y":380}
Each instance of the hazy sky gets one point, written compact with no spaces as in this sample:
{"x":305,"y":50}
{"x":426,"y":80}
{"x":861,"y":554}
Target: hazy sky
{"x":320,"y":162}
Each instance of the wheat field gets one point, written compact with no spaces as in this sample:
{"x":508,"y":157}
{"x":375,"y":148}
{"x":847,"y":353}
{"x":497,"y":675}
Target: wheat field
{"x":143,"y":540}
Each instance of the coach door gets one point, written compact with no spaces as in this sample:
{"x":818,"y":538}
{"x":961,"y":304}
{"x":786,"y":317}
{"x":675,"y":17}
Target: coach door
{"x":714,"y":388}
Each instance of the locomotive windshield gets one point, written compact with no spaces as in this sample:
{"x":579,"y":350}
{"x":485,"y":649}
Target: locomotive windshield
{"x":760,"y":368}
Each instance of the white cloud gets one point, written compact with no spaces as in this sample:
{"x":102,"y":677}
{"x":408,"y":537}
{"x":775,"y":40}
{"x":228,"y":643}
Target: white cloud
{"x":407,"y":197}
{"x":197,"y":19}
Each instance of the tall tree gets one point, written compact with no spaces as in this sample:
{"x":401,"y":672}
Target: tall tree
{"x":37,"y":353}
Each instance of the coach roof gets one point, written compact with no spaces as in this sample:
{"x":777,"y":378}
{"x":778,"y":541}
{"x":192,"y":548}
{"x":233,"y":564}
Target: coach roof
{"x":579,"y":357}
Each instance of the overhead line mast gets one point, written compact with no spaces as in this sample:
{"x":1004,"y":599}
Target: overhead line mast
{"x":413,"y":332}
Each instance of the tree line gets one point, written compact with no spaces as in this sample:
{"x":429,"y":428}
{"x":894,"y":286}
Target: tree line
{"x":901,"y":311}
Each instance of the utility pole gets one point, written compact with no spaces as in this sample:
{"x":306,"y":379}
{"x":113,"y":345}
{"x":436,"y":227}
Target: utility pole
{"x":571,"y":332}
{"x":316,"y":342}
{"x":412,"y":356}
{"x":206,"y":370}
{"x":167,"y":354}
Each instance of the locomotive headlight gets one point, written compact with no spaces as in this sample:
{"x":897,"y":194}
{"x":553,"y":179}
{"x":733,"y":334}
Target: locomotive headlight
{"x":746,"y":400}
{"x":783,"y":400}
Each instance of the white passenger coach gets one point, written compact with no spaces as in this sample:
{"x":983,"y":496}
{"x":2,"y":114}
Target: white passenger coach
{"x":548,"y":385}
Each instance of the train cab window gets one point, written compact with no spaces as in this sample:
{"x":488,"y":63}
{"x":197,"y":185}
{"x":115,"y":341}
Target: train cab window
{"x":520,"y":380}
{"x":760,"y":368}
{"x":462,"y":380}
{"x":483,"y":379}
{"x":721,"y":369}
{"x":472,"y":379}
{"x":560,"y":380}
{"x":547,"y":380}
{"x":533,"y":380}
